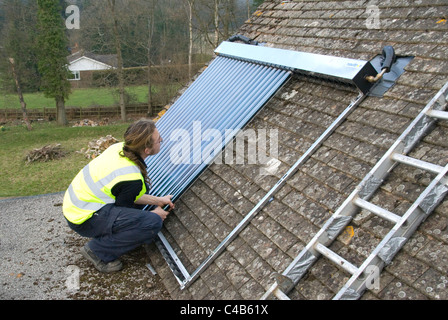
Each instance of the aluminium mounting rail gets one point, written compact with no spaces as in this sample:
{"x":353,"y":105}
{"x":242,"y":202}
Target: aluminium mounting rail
{"x":341,"y":70}
{"x":404,"y":226}
{"x":280,"y":183}
{"x":182,"y":276}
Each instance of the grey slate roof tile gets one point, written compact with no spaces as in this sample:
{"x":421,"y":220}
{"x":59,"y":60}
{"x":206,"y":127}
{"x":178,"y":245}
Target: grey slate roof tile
{"x":301,"y":111}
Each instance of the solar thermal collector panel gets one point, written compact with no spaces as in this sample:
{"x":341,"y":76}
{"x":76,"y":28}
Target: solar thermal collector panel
{"x":219,"y":103}
{"x":222,"y":100}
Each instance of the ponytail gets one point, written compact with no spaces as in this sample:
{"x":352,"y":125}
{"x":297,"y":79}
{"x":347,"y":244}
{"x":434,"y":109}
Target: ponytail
{"x":137,"y":138}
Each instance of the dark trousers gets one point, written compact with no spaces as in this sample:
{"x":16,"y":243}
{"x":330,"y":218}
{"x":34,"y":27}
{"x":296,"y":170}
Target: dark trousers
{"x":117,"y":230}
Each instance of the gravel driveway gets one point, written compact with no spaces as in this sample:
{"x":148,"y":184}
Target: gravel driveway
{"x":40,"y":258}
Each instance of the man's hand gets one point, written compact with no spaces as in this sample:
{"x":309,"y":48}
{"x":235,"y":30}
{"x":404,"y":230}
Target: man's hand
{"x":166,"y":200}
{"x":161,"y":213}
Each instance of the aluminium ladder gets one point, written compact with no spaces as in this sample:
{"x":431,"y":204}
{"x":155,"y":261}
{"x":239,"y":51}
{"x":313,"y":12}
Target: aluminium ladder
{"x":404,"y":226}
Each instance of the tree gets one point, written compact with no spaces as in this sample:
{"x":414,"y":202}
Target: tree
{"x":18,"y":41}
{"x":190,"y":31}
{"x":52,"y":55}
{"x":119,"y":60}
{"x":216,"y":20}
{"x":19,"y":93}
{"x":151,"y":18}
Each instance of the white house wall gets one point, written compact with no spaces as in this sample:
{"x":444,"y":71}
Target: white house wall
{"x":85,"y":64}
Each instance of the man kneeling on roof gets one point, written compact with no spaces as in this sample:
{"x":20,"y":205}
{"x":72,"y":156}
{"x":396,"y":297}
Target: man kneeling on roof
{"x":105,"y":199}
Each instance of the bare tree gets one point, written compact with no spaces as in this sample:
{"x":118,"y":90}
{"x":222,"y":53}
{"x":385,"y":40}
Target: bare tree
{"x":216,"y":20}
{"x":151,"y":18}
{"x":190,"y":31}
{"x":119,"y":61}
{"x":18,"y":22}
{"x":19,"y":93}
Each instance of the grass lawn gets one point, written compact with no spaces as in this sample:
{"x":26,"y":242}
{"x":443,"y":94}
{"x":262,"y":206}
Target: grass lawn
{"x":17,"y":178}
{"x":84,"y":97}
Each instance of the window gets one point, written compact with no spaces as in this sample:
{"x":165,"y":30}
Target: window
{"x":75,"y":75}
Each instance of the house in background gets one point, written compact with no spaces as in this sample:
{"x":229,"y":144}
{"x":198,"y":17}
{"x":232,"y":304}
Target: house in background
{"x":82,"y":64}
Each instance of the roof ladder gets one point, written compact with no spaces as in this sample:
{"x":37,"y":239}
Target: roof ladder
{"x":404,"y":226}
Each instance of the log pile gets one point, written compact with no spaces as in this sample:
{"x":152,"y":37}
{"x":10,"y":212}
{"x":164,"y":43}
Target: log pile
{"x":46,"y":153}
{"x":91,"y":123}
{"x":85,"y":123}
{"x":96,"y":147}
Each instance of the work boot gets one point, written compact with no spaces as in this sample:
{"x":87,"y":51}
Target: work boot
{"x":99,"y":264}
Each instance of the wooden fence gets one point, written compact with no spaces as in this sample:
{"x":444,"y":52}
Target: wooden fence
{"x":77,"y":113}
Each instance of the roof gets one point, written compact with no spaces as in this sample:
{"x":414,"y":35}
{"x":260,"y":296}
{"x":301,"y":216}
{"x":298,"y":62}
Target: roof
{"x":301,"y":111}
{"x":108,"y":59}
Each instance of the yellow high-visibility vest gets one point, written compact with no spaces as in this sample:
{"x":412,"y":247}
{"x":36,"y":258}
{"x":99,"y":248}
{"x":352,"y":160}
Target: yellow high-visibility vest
{"x":91,"y":189}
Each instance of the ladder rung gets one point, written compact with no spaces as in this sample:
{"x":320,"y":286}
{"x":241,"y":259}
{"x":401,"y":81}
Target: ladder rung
{"x":336,"y":258}
{"x":417,"y":163}
{"x":275,"y":290}
{"x":383,"y":213}
{"x":280,"y":294}
{"x":443,"y":115}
